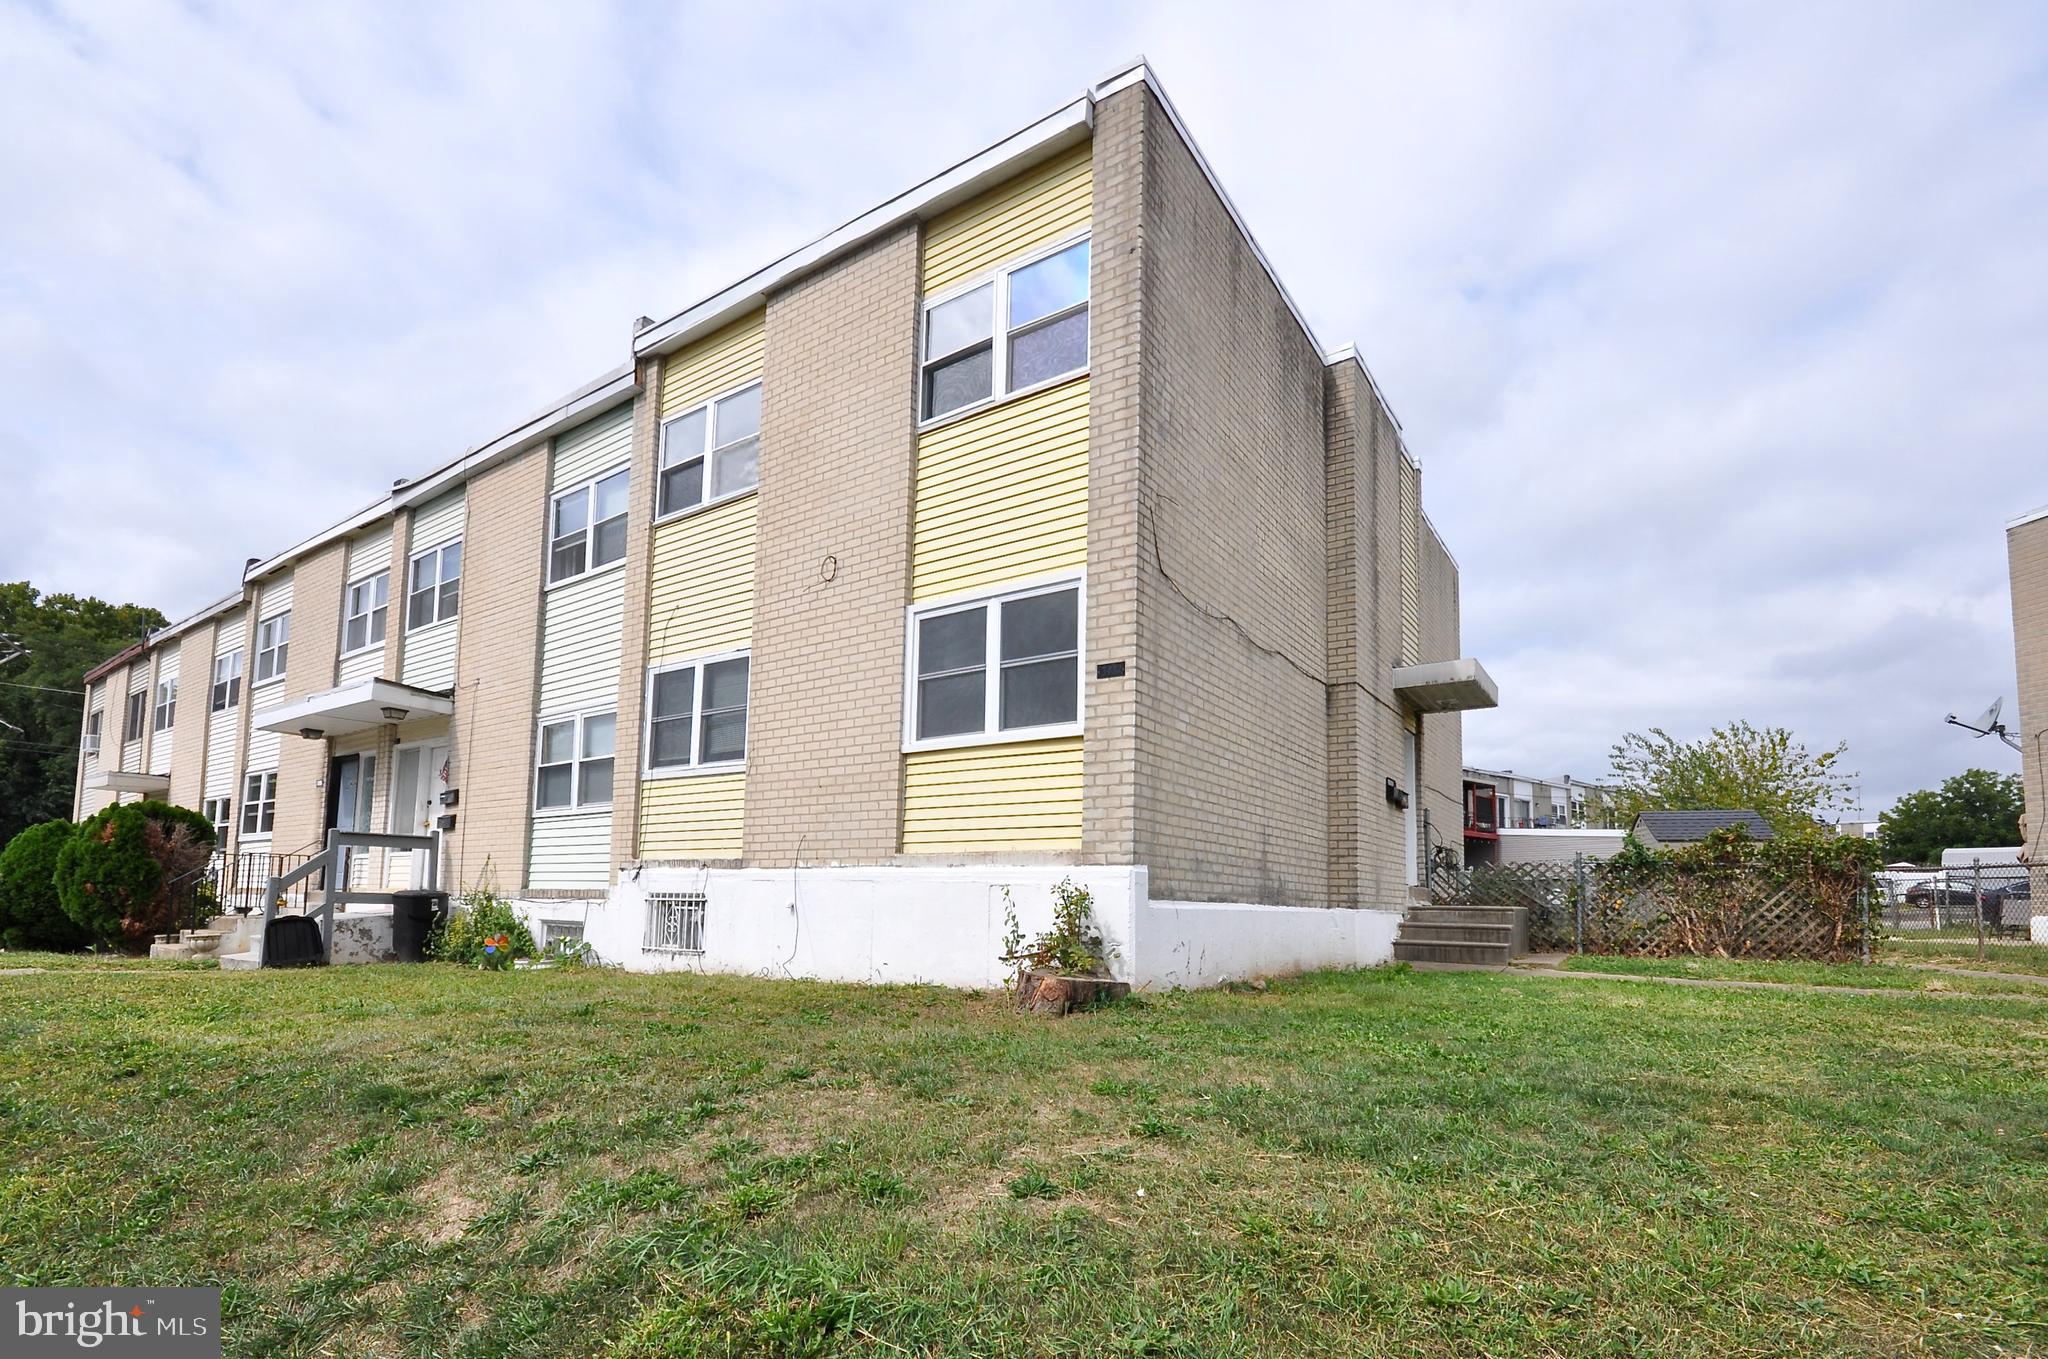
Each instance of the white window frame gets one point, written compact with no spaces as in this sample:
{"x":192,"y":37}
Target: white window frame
{"x":264,"y":804}
{"x":695,"y":767}
{"x":225,"y":821}
{"x":992,"y":734}
{"x":688,"y":910}
{"x":999,"y":333}
{"x":275,"y":645}
{"x":439,"y":552}
{"x":376,"y":617}
{"x":163,"y":711}
{"x":577,"y":806}
{"x":225,"y":692}
{"x":710,"y":453}
{"x":94,"y":724}
{"x":588,"y":488}
{"x":135,"y":718}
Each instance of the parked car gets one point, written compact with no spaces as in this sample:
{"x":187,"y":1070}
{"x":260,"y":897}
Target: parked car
{"x":1940,"y":890}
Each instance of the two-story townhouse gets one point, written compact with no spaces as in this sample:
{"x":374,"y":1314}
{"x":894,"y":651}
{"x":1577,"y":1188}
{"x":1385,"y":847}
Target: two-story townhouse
{"x":1018,"y":530}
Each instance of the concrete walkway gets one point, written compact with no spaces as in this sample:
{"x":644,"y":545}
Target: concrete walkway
{"x":1551,"y":965}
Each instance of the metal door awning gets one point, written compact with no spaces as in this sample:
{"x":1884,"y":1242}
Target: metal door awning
{"x":362,"y":706}
{"x":1446,"y":686}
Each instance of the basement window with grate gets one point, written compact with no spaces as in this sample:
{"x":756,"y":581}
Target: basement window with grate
{"x":675,"y":922}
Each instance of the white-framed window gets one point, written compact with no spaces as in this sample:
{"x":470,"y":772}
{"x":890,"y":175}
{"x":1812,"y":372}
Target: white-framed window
{"x":365,"y":606}
{"x":165,"y":711}
{"x":220,"y":811}
{"x":558,"y":935}
{"x":273,"y":640}
{"x":697,"y":714}
{"x":1005,"y":666}
{"x":712,"y":452}
{"x":1025,"y":324}
{"x":227,"y":681}
{"x":675,"y":922}
{"x":137,"y":714}
{"x":573,"y":762}
{"x":434,"y":591}
{"x":259,"y":802}
{"x":587,"y":527}
{"x":92,"y":732}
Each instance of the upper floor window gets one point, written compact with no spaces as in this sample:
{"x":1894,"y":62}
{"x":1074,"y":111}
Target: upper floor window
{"x":92,"y":732}
{"x":1005,"y":666}
{"x":1026,"y":325}
{"x":366,"y":603}
{"x":435,"y":594}
{"x":273,"y":639}
{"x":697,"y":714}
{"x":711,"y":452}
{"x":573,"y":765}
{"x":166,"y":709}
{"x":588,"y":527}
{"x":227,"y":681}
{"x":137,"y":714}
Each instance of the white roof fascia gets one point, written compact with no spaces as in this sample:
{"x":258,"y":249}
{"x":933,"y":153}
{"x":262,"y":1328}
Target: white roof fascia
{"x":591,"y":399}
{"x":2029,"y":517}
{"x":1063,"y":128}
{"x":225,"y":604}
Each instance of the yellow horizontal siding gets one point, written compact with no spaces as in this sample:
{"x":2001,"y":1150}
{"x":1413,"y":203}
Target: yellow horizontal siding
{"x":1037,"y":207}
{"x":700,"y":594}
{"x":1021,"y":796}
{"x":717,"y":363}
{"x":692,"y":818}
{"x":1002,"y":496}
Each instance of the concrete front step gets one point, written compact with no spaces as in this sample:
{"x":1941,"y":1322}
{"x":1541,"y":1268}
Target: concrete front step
{"x":1462,"y":915}
{"x":1408,"y":951}
{"x":241,"y":962}
{"x":1429,"y":932}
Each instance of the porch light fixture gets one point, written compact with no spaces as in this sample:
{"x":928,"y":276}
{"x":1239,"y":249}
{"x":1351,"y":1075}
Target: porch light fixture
{"x":311,"y":733}
{"x":394,"y":714}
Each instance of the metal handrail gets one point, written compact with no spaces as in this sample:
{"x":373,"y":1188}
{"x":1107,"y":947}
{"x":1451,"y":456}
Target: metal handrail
{"x":331,"y":858}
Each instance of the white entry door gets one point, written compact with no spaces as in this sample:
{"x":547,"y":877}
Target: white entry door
{"x":419,"y":776}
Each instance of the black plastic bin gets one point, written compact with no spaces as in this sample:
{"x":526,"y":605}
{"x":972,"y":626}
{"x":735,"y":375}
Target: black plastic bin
{"x":293,"y":941}
{"x":413,"y":916}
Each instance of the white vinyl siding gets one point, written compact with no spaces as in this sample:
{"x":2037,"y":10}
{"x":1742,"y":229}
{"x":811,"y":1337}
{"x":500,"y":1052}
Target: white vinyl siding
{"x":369,"y":556}
{"x":429,"y":655}
{"x":221,"y":726}
{"x":264,"y":750}
{"x":163,"y":710}
{"x":369,"y":553}
{"x":275,"y":598}
{"x":582,"y":645}
{"x":132,"y":731}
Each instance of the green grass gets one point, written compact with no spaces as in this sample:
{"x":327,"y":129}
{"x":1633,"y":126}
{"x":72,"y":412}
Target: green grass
{"x":1897,"y":976}
{"x":1960,"y":950}
{"x":12,"y":958}
{"x":424,"y":1161}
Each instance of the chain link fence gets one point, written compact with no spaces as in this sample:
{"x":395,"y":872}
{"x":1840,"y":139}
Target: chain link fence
{"x":1976,"y":912}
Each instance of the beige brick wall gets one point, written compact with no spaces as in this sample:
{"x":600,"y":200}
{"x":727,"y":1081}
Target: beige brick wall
{"x":188,"y":732}
{"x":309,"y":669}
{"x":497,"y":673}
{"x":1232,"y":757}
{"x":240,"y":714}
{"x":633,"y":654}
{"x":824,"y":761}
{"x":2027,"y":555}
{"x":1109,"y":746}
{"x":1347,"y":496}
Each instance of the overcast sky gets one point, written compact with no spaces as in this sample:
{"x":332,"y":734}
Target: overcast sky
{"x":1721,"y":331}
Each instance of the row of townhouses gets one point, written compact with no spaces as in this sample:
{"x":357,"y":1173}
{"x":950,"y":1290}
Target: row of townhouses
{"x":1018,"y":530}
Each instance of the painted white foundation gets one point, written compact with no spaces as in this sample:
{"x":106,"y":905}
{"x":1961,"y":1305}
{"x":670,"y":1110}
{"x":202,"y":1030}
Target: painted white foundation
{"x":945,"y":925}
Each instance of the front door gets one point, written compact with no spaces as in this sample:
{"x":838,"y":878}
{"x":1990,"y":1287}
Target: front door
{"x":419,"y":778}
{"x":349,"y":780}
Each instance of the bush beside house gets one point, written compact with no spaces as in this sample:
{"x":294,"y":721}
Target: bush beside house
{"x":113,"y":875}
{"x":31,"y":913}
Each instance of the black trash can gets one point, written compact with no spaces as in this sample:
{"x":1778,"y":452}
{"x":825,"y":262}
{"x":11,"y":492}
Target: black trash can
{"x":413,"y":917}
{"x":293,"y":941}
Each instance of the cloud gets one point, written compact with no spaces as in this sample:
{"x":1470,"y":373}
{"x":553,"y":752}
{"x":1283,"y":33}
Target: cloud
{"x":1718,"y":328}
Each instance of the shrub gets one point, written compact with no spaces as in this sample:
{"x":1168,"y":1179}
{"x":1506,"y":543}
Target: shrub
{"x":483,"y":919}
{"x":114,"y":872}
{"x":1072,"y":947}
{"x":31,"y":914}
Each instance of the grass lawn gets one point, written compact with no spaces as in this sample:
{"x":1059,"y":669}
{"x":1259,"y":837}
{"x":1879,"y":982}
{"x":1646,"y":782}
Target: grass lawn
{"x":424,"y":1161}
{"x":1959,"y":949}
{"x":1897,"y":976}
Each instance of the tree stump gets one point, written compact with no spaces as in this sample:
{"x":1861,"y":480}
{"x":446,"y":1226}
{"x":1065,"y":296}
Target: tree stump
{"x":1049,"y":993}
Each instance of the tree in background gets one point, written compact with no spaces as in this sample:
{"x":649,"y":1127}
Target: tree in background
{"x":1736,"y":767}
{"x":53,"y":640}
{"x":31,"y":913}
{"x":1976,"y":808}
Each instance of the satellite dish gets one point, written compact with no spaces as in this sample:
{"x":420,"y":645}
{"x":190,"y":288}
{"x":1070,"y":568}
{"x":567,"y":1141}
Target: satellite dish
{"x":1989,"y":721}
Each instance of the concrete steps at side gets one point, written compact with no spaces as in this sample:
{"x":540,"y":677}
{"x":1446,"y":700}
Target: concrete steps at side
{"x":1482,"y":935}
